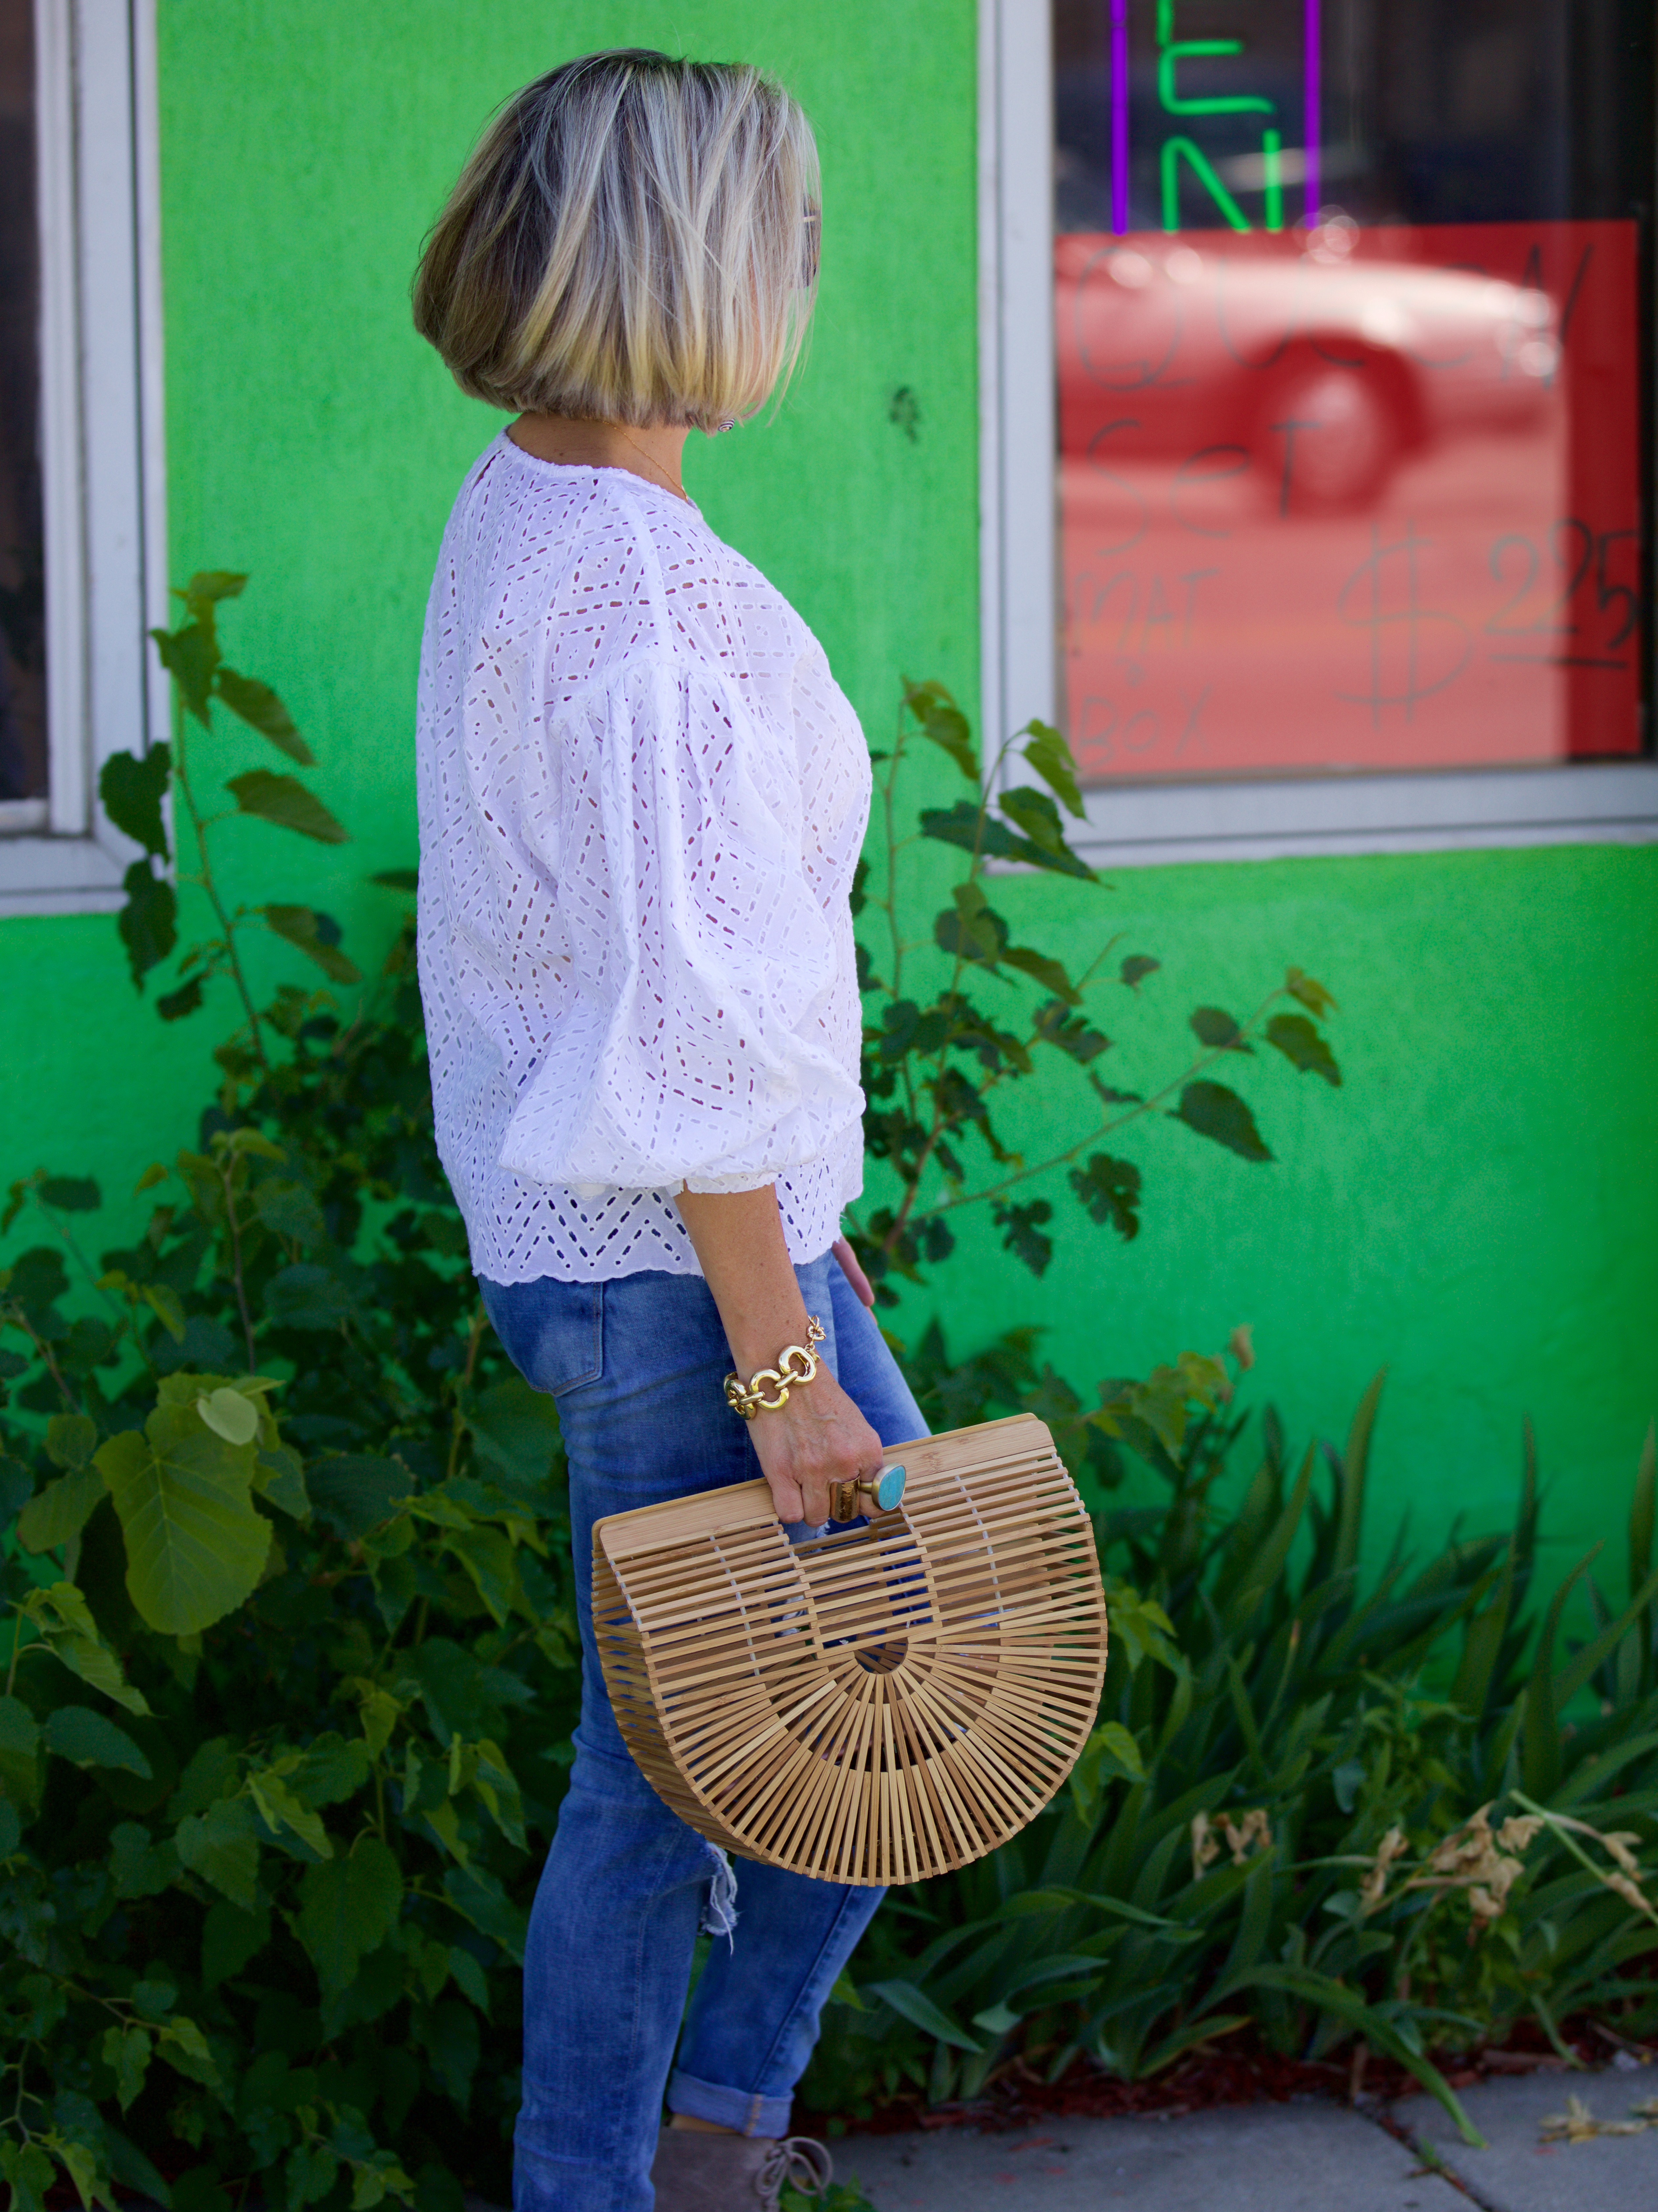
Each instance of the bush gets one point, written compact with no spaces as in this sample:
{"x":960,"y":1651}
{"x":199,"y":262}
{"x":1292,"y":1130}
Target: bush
{"x":1325,"y":1810}
{"x":291,"y":1670}
{"x":289,"y":1692}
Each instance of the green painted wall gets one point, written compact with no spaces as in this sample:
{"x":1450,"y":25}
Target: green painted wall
{"x":1478,"y":1206}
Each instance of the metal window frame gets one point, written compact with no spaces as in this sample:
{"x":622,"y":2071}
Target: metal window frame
{"x":1129,"y":825}
{"x":101,"y":444}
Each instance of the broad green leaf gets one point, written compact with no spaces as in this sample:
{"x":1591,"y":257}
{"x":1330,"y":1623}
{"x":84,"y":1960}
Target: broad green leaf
{"x":479,"y":1897}
{"x":1074,"y":1035}
{"x":1110,"y":1191}
{"x":16,"y":1485}
{"x":1215,"y":1028}
{"x":308,"y":1296}
{"x":916,"y":2007}
{"x":71,"y":1439}
{"x":514,"y":1431}
{"x":1317,"y":1000}
{"x":943,"y":722}
{"x":397,"y":880}
{"x":1221,"y":1116}
{"x":965,"y":826}
{"x":29,"y":2170}
{"x":87,"y":1739}
{"x":1294,"y":1036}
{"x":127,"y":2052}
{"x":353,"y":1492}
{"x":149,"y":922}
{"x":1022,"y":1232}
{"x":81,"y":2164}
{"x":221,"y":1844}
{"x":1035,"y":813}
{"x":349,"y":1906}
{"x":173,"y":1005}
{"x":70,"y":1194}
{"x":285,"y":801}
{"x":488,"y":1557}
{"x":19,"y":1744}
{"x":1054,"y":761}
{"x":132,"y":786}
{"x":195,"y":1548}
{"x":1050,"y":974}
{"x":495,"y":1783}
{"x":208,"y":587}
{"x":1136,"y":968}
{"x":469,"y":1977}
{"x":301,"y":925}
{"x":167,"y":1308}
{"x":64,"y":1620}
{"x":279,"y":1475}
{"x":259,"y":706}
{"x":281,"y":1808}
{"x":972,"y":930}
{"x":231,"y":1935}
{"x":190,"y":655}
{"x":61,"y":1510}
{"x":229,"y":1415}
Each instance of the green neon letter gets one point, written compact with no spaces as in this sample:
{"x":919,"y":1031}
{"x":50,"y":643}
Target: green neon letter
{"x":1203,"y":169}
{"x":1239,"y":104}
{"x":1272,"y":179}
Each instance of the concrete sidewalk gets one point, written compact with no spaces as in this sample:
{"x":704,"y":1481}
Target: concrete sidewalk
{"x":1308,"y":2156}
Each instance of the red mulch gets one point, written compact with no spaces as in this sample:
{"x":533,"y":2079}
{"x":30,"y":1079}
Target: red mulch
{"x":1239,"y":2069}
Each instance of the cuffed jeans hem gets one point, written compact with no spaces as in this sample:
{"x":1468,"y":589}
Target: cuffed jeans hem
{"x":728,"y":2108}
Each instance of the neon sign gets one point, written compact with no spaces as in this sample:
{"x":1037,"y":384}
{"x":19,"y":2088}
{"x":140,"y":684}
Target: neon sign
{"x":1181,"y":153}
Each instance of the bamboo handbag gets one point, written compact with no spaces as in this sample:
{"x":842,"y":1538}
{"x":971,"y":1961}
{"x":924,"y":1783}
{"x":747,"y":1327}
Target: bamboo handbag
{"x":877,"y":1704}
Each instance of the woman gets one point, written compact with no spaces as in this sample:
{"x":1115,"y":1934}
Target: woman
{"x":641,"y":801}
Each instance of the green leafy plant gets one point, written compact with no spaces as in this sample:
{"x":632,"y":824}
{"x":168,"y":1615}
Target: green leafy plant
{"x":1334,"y":1811}
{"x":135,"y":790}
{"x":290,"y":1677}
{"x":938,"y":1069}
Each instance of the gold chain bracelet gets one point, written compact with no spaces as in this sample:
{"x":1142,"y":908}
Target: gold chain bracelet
{"x":796,"y":1364}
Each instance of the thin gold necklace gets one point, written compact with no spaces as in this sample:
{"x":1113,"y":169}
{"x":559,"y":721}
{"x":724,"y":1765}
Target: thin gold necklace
{"x":675,"y":488}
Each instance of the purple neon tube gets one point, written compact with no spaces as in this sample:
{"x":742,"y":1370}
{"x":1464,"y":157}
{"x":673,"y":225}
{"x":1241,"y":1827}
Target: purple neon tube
{"x":1119,"y":116}
{"x":1313,"y":125}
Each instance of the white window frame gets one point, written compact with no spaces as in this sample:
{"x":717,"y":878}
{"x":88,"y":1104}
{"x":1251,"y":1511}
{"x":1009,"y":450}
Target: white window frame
{"x":1262,"y":817}
{"x":101,"y":444}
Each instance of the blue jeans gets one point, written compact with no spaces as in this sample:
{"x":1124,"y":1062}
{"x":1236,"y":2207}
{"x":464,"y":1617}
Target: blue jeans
{"x":637,"y":1366}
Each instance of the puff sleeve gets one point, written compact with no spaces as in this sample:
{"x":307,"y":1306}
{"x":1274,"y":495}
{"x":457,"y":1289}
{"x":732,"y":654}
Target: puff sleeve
{"x":696,"y":1048}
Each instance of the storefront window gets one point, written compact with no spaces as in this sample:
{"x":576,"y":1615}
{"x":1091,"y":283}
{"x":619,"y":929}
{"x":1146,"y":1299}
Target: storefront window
{"x":1352,"y":365}
{"x":23,"y":751}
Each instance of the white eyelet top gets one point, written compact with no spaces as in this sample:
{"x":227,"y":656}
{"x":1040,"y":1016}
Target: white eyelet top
{"x":641,"y":801}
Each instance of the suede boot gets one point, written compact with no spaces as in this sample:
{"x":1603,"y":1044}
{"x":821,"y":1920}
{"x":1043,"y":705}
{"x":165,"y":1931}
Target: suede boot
{"x":698,"y":2172}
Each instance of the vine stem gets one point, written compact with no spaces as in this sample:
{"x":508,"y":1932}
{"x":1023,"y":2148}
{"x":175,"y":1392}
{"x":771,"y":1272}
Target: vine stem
{"x":43,"y":1350}
{"x":475,"y":1338}
{"x":1107,"y":1128}
{"x":201,"y":824}
{"x":226,"y":1174}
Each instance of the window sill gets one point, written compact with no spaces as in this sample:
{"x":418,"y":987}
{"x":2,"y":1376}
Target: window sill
{"x":1148,"y":824}
{"x":60,"y":875}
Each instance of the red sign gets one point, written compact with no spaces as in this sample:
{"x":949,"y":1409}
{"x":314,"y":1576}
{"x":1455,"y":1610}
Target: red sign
{"x":1351,"y":500}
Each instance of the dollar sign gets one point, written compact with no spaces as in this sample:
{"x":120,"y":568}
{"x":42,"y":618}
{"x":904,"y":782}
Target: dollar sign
{"x":1383,"y":596}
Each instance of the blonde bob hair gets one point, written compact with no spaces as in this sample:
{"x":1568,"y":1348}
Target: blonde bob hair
{"x":633,"y":240}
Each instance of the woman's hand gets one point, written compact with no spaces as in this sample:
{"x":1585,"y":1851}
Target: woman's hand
{"x":818,"y":1439}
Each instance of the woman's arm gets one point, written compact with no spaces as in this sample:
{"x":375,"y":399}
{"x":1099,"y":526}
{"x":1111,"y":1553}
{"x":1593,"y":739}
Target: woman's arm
{"x":819,"y":1437}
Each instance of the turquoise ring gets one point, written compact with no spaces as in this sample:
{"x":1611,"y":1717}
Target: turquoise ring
{"x":882,"y":1494}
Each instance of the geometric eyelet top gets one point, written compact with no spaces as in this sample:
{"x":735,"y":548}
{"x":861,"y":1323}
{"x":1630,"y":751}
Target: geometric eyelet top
{"x":876,"y":1705}
{"x":641,"y":800}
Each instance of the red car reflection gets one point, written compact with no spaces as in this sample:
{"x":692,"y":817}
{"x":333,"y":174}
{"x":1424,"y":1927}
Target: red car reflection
{"x":1302,"y":357}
